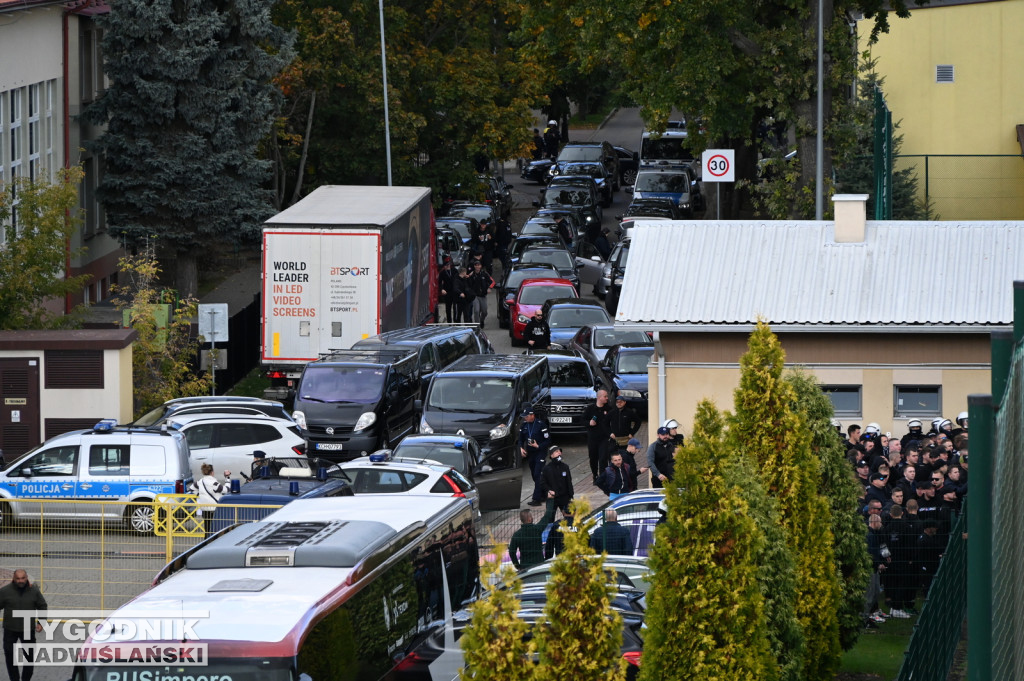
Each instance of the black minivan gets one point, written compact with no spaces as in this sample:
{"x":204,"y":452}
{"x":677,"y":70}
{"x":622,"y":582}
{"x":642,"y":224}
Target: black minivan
{"x":436,"y":346}
{"x":352,"y":402}
{"x":483,"y":397}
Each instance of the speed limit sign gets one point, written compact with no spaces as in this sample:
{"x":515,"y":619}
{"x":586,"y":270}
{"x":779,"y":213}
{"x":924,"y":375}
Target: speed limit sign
{"x":719,"y":165}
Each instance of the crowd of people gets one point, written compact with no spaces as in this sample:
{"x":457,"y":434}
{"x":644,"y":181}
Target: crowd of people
{"x":913,"y":488}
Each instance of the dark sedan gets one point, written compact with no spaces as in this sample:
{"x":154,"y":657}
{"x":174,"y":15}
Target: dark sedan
{"x":574,"y":385}
{"x":509,"y":285}
{"x":593,"y":340}
{"x":626,"y":365}
{"x":566,"y":316}
{"x":537,"y":171}
{"x":561,"y":259}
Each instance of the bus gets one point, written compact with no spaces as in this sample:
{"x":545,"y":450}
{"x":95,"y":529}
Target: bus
{"x":345,"y":588}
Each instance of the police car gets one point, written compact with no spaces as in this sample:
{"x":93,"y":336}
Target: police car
{"x":111,"y":464}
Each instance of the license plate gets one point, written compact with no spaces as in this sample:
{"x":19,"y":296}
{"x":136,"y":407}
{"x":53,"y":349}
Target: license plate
{"x":561,"y":419}
{"x":329,"y":446}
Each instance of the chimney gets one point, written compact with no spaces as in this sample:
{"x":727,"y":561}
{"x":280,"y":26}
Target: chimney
{"x":851,"y":216}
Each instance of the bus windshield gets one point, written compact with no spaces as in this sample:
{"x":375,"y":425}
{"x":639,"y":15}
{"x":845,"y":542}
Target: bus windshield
{"x":224,"y":669}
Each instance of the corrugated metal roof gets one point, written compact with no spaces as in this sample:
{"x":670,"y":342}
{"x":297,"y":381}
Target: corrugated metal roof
{"x":793,"y":273}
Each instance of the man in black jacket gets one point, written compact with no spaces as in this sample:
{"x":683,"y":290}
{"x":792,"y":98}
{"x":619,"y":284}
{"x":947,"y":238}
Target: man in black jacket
{"x":19,"y":595}
{"x":537,"y":333}
{"x":612,"y":537}
{"x":556,"y":480}
{"x":479,"y":283}
{"x":448,"y":290}
{"x":622,"y":422}
{"x":525,"y":548}
{"x":598,"y":435}
{"x":661,"y":457}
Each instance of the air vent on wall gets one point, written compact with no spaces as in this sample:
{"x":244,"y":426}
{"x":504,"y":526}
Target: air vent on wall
{"x":944,"y":73}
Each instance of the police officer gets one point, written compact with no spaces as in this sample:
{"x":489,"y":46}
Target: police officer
{"x":556,"y":480}
{"x":673,"y":430}
{"x":661,"y":457}
{"x":537,"y":332}
{"x":914,"y":434}
{"x":534,"y":441}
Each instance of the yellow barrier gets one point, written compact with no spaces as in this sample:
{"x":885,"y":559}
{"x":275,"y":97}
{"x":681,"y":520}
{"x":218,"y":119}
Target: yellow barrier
{"x":99,"y":554}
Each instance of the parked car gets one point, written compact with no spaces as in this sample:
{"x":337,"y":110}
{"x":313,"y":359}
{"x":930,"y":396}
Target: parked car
{"x":546,"y":226}
{"x":589,"y":265}
{"x":594,"y":169}
{"x":228,"y":442}
{"x":212,"y":404}
{"x":283,"y":481}
{"x":378,"y":474}
{"x":464,"y":455}
{"x":537,"y":171}
{"x":574,"y":385}
{"x":626,"y":365}
{"x":629,"y":571}
{"x":561,"y":259}
{"x":638,"y":512}
{"x":629,"y":161}
{"x":616,"y":268}
{"x":124,"y":467}
{"x":674,"y":182}
{"x":507,"y":288}
{"x":499,"y":193}
{"x":523,"y":242}
{"x":593,"y":340}
{"x":601,"y":152}
{"x":477,"y":211}
{"x":623,"y":598}
{"x":531,"y":296}
{"x":570,"y":192}
{"x":567,"y":316}
{"x":576,"y":225}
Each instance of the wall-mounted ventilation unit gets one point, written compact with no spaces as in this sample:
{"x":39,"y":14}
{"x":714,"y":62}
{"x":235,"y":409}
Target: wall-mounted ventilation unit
{"x":944,"y":73}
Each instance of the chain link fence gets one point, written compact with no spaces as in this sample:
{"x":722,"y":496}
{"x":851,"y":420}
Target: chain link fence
{"x":968,"y":187}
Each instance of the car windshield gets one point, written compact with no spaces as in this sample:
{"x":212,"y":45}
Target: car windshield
{"x":326,"y":383}
{"x":674,"y":183}
{"x":471,"y":393}
{"x":576,"y":317}
{"x":560,"y":259}
{"x":580,"y":154}
{"x":446,"y":455}
{"x":151,"y":417}
{"x":478,"y":212}
{"x":538,"y":295}
{"x":633,"y":362}
{"x":567,"y":196}
{"x":569,"y":373}
{"x":533,"y":227}
{"x":666,"y":148}
{"x":457,"y":226}
{"x":516,"y":277}
{"x":605,"y":338}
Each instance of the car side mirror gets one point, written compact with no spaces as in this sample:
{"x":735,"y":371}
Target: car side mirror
{"x":596,"y":258}
{"x":484,"y":469}
{"x":510,"y":299}
{"x":427,"y":368}
{"x":26,"y":472}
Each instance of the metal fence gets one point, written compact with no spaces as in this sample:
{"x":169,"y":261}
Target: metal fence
{"x":968,"y":187}
{"x":929,"y":656}
{"x":99,"y":555}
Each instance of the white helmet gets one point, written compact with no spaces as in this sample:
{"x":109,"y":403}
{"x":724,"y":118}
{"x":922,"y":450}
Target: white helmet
{"x":914,"y":423}
{"x":936,"y":423}
{"x":552,"y":122}
{"x":872,"y":429}
{"x":961,"y":419}
{"x":945,"y":423}
{"x":670,"y":424}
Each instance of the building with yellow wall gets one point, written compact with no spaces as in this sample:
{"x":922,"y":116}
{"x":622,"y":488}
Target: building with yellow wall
{"x":954,"y":83}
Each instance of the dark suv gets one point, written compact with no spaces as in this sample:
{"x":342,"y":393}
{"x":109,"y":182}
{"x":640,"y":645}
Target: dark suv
{"x":351,"y":402}
{"x":602,"y":152}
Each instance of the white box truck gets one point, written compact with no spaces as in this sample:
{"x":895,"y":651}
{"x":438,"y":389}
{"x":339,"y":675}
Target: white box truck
{"x":343,"y":264}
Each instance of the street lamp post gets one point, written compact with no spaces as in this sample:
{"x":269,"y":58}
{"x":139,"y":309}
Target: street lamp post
{"x":384,"y":71}
{"x":819,"y":145}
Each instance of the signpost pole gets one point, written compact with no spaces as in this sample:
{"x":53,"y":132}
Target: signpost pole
{"x":213,"y":353}
{"x":719,"y":166}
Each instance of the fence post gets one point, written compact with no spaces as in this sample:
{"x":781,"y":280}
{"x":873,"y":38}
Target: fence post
{"x":979,"y":546}
{"x":1002,"y":357}
{"x":1018,"y":311}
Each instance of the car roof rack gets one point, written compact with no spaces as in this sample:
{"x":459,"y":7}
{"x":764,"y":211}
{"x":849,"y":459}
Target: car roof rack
{"x":383,"y":354}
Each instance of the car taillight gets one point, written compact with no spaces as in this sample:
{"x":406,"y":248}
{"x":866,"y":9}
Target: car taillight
{"x":179,"y":486}
{"x":455,"y":488}
{"x":300,"y":450}
{"x":633,"y":657}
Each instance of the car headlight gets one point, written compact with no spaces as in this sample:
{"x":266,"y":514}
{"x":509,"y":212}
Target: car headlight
{"x":425,"y":427}
{"x":366,"y":420}
{"x":300,"y":419}
{"x":523,"y":319}
{"x":632,"y":394}
{"x":591,"y":218}
{"x":499,"y":432}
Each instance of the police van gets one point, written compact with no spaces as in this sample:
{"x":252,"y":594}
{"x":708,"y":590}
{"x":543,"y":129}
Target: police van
{"x":106,"y":464}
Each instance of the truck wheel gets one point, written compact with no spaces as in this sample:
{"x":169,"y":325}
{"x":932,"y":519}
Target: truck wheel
{"x":140,"y":518}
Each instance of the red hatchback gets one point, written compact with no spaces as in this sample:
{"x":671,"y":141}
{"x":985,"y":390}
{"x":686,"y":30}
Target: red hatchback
{"x":530,"y":297}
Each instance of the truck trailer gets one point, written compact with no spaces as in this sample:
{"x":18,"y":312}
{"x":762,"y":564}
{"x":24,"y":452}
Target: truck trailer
{"x":343,"y":264}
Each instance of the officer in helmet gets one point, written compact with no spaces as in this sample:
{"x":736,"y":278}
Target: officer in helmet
{"x":961,"y":423}
{"x":673,"y":429}
{"x":839,"y":428}
{"x":915,"y":433}
{"x":941,"y":426}
{"x":551,"y":138}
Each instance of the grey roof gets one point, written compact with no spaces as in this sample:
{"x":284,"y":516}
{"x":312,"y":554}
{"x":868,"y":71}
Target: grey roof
{"x":350,"y":205}
{"x":710,"y":275}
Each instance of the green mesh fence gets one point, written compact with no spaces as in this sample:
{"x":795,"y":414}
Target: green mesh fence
{"x":1008,"y":528}
{"x":937,"y":631}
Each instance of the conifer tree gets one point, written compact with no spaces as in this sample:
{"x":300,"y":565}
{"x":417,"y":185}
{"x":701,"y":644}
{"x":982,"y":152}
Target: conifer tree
{"x":581,"y":639}
{"x":837,"y":485}
{"x":775,"y":435}
{"x":493,"y":643}
{"x":705,"y":605}
{"x":190,"y":98}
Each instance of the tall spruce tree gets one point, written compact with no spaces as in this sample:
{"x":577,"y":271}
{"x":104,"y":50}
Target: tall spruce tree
{"x":493,"y":643}
{"x":705,"y":605}
{"x":582,"y":636}
{"x":838,"y":485}
{"x":775,"y":435}
{"x":190,"y":98}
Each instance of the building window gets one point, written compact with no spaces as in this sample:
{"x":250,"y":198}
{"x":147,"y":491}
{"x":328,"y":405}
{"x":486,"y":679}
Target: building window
{"x":917,"y":400}
{"x":33,"y":132}
{"x":846,"y":399}
{"x":48,"y":132}
{"x":944,"y":73}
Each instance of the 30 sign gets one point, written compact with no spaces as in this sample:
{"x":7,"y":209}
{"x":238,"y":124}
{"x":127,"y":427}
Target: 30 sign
{"x":719,"y":165}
